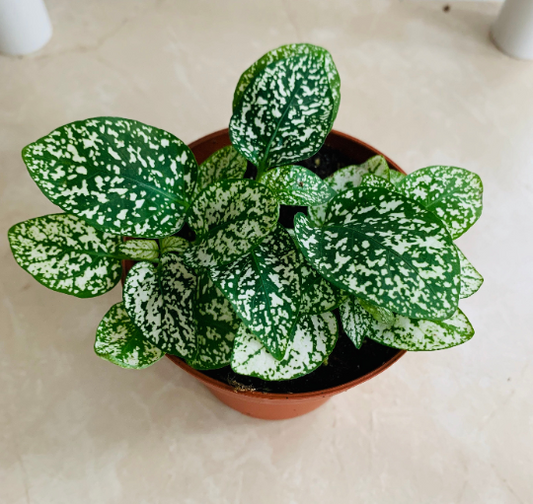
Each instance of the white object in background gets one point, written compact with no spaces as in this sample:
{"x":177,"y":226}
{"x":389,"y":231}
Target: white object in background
{"x":24,"y":26}
{"x":513,"y":31}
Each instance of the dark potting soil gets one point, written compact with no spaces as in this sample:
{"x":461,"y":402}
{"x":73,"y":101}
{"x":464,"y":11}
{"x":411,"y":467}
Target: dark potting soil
{"x":345,"y":363}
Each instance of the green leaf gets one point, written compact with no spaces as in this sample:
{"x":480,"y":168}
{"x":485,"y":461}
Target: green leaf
{"x":355,"y":320}
{"x":174,"y":244}
{"x":121,"y":343}
{"x":471,"y":280}
{"x":296,"y":185}
{"x":454,"y":194}
{"x":386,"y":249}
{"x":287,"y":107}
{"x":378,"y":312}
{"x":395,"y":177}
{"x":289,"y":51}
{"x":225,"y":163}
{"x":160,"y":301}
{"x":67,"y":255}
{"x":371,"y":180}
{"x":314,"y":339}
{"x":229,"y":218}
{"x":350,"y":177}
{"x":139,"y":250}
{"x":119,"y":175}
{"x":264,"y":289}
{"x":216,"y":329}
{"x":418,"y":335}
{"x":318,"y":295}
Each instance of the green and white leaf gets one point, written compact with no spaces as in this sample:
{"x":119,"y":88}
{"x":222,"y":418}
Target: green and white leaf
{"x":395,"y":176}
{"x":371,"y":180}
{"x":350,"y":177}
{"x":67,"y":255}
{"x":287,"y":109}
{"x":355,"y":320}
{"x":314,"y":339}
{"x":289,"y":51}
{"x":386,"y":249}
{"x":454,"y":194}
{"x":318,"y":295}
{"x":264,"y":288}
{"x":119,"y":175}
{"x":296,"y":185}
{"x":418,"y":335}
{"x":174,"y":244}
{"x":225,"y":163}
{"x":378,"y":312}
{"x":121,"y":343}
{"x":217,"y":325}
{"x":160,"y":302}
{"x":229,"y":218}
{"x":471,"y":280}
{"x":139,"y":250}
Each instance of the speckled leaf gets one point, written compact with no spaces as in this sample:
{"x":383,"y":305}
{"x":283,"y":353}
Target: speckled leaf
{"x":264,"y":288}
{"x":350,"y":177}
{"x":119,"y":175}
{"x":314,"y":339}
{"x":454,"y":194}
{"x":386,"y":249}
{"x":160,"y":301}
{"x":174,"y":244}
{"x":216,"y":329}
{"x":120,"y":342}
{"x":289,"y":51}
{"x":67,"y":255}
{"x":378,"y":312}
{"x":296,"y":185}
{"x":355,"y":320}
{"x":416,"y":335}
{"x":225,"y":163}
{"x":139,"y":250}
{"x":395,"y":177}
{"x":371,"y":180}
{"x":471,"y":280}
{"x":287,"y":109}
{"x":230,"y":217}
{"x":318,"y":295}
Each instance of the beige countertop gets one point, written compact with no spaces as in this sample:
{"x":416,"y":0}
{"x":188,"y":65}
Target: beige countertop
{"x":423,"y":85}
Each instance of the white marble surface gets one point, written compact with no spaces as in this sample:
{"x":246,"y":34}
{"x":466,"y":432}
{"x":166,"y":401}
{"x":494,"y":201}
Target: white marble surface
{"x":426,"y":87}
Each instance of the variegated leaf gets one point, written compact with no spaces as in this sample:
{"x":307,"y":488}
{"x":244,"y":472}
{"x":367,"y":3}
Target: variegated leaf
{"x":350,"y":177}
{"x":385,"y":249}
{"x":160,"y":301}
{"x":378,"y":312}
{"x":417,"y":335}
{"x":471,"y":280}
{"x":139,"y":250}
{"x":119,"y":175}
{"x":314,"y":339}
{"x":120,"y":342}
{"x":289,"y":51}
{"x":395,"y":177}
{"x":67,"y":255}
{"x":454,"y":194}
{"x":296,"y":185}
{"x":174,"y":244}
{"x":229,"y":218}
{"x":371,"y":180}
{"x":225,"y":163}
{"x":287,"y":109}
{"x":355,"y":320}
{"x":265,"y":290}
{"x":216,"y":329}
{"x":318,"y":295}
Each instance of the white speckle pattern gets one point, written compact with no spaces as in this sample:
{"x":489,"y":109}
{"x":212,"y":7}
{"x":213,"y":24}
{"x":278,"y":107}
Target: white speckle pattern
{"x":471,"y":280}
{"x":174,"y":244}
{"x":319,"y":295}
{"x":139,"y":250}
{"x":121,"y":343}
{"x":117,"y":174}
{"x":67,"y":255}
{"x":355,"y":321}
{"x":314,"y":339}
{"x":226,"y":163}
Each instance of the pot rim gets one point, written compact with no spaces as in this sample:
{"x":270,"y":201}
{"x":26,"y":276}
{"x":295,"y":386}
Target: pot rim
{"x":257,"y":395}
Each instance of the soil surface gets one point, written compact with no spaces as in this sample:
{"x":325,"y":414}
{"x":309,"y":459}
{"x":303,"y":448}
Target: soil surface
{"x":345,"y":363}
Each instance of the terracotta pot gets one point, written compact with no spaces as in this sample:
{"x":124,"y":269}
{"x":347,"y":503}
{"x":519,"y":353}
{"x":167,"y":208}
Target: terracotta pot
{"x":272,"y":406}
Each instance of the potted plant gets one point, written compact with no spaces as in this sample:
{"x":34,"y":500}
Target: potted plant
{"x":223,"y":281}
